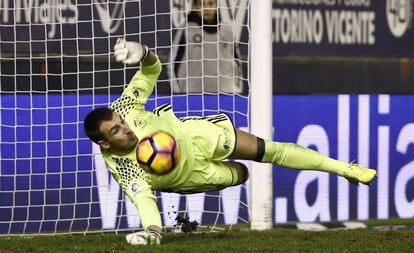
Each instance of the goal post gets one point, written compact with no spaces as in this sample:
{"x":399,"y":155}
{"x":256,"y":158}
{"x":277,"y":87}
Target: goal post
{"x":261,"y":116}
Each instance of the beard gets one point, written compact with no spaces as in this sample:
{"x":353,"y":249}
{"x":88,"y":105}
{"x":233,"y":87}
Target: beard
{"x":125,"y":147}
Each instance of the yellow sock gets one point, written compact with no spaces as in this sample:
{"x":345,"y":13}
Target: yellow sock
{"x":293,"y":156}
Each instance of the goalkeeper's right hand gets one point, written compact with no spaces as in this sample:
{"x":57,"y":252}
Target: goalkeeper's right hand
{"x":144,"y":238}
{"x":129,"y":52}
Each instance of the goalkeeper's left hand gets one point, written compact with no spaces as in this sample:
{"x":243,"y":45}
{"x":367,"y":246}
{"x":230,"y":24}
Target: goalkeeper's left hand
{"x":144,"y":238}
{"x":129,"y":52}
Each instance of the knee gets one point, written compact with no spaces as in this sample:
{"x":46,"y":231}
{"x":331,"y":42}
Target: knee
{"x":242,"y":173}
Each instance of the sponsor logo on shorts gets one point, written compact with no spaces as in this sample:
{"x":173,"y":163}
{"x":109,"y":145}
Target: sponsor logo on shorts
{"x":226,"y":144}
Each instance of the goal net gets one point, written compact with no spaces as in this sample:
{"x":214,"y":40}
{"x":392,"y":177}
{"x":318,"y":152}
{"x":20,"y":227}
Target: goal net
{"x":57,"y":65}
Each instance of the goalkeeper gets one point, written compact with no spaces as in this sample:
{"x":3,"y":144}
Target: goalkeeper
{"x":204,"y":143}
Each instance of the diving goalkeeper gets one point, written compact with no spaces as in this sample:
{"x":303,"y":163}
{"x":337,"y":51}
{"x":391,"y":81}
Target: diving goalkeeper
{"x":205,"y":142}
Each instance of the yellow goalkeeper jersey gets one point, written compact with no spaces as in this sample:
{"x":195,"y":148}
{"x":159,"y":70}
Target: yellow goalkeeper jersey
{"x":135,"y":182}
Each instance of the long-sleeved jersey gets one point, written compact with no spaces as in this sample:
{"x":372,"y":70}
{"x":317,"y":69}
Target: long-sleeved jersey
{"x":135,"y":182}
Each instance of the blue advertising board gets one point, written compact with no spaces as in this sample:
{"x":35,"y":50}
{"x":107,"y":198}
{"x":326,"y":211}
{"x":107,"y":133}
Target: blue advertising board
{"x":50,"y":181}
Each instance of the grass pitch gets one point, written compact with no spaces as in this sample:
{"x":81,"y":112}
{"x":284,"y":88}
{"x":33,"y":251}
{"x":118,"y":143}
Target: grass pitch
{"x":275,"y":240}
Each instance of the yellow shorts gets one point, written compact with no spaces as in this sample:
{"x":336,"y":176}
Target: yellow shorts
{"x":214,"y":140}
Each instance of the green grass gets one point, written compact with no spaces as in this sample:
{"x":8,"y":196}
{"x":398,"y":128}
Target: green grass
{"x":391,"y":222}
{"x":275,"y":240}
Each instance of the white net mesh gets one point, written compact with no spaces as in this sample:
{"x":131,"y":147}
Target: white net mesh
{"x":56,"y":66}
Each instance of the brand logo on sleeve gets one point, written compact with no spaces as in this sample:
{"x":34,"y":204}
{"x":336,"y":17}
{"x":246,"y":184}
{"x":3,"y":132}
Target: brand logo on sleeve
{"x":136,"y":93}
{"x":136,"y":188}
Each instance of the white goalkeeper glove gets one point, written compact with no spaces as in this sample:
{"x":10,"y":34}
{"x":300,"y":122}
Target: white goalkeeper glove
{"x":144,"y":238}
{"x":129,"y":52}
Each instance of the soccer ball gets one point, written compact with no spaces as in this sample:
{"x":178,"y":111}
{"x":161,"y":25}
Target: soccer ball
{"x":158,"y":153}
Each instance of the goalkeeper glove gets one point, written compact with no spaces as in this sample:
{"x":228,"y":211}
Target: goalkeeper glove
{"x":129,"y":52}
{"x":144,"y":238}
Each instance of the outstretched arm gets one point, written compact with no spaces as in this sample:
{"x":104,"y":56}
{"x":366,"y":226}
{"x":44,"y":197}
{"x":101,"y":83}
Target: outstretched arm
{"x":150,"y":219}
{"x":142,"y":84}
{"x":137,"y":186}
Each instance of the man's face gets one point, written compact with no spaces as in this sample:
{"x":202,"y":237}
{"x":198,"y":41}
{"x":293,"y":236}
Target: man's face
{"x":209,"y":10}
{"x":119,"y":138}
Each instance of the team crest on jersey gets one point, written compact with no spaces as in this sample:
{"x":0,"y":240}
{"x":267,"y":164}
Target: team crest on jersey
{"x":139,"y":122}
{"x":136,"y":188}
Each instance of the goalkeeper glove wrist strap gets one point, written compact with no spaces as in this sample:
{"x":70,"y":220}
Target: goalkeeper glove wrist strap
{"x":146,"y":52}
{"x":154,"y":238}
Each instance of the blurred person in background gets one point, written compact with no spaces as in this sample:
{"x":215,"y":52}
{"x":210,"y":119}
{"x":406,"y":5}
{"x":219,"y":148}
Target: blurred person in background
{"x":205,"y":56}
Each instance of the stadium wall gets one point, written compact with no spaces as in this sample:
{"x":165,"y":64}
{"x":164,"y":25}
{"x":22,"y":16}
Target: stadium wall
{"x":45,"y":183}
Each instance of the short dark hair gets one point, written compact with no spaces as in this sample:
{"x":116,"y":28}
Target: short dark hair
{"x":93,"y":121}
